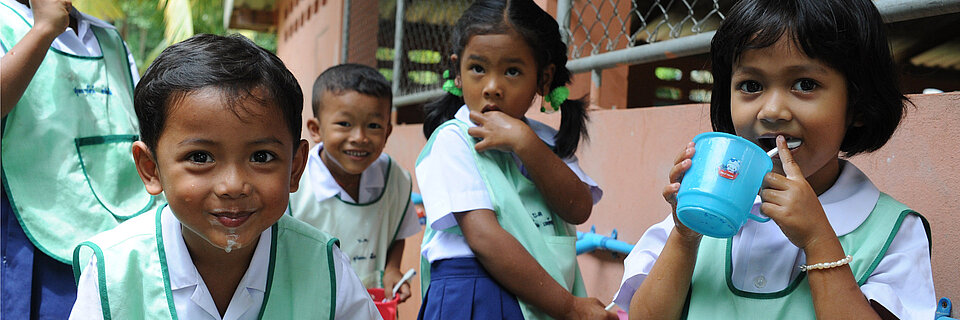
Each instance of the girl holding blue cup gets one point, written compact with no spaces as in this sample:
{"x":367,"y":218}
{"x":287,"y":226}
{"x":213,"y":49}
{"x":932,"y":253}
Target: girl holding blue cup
{"x":814,"y":79}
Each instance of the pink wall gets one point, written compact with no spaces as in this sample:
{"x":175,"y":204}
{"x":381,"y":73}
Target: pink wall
{"x":631,"y":150}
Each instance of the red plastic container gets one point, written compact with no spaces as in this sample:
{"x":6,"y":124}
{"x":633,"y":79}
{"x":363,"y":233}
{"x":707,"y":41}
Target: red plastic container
{"x":388,"y":309}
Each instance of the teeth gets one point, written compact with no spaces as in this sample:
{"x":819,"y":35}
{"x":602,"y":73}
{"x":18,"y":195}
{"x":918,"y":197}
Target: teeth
{"x":356,"y":153}
{"x":793,"y":143}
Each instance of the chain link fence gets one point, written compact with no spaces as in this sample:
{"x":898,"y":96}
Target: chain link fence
{"x":600,"y":33}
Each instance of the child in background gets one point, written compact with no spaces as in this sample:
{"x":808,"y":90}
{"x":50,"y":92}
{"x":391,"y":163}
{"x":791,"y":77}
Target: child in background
{"x":351,"y":189}
{"x":501,"y":190}
{"x":818,"y":73}
{"x":220,"y":139}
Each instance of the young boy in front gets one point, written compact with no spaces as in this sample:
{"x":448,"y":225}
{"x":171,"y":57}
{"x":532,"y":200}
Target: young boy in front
{"x":350,"y":188}
{"x":220,"y":138}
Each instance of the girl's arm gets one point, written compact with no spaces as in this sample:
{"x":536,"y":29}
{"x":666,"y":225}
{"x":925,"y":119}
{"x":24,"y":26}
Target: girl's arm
{"x":793,"y":205}
{"x":564,"y":192}
{"x":663,"y":292}
{"x":519,"y":273}
{"x":22,"y":61}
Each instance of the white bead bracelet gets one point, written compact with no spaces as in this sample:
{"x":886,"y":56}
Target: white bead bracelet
{"x":827,"y":265}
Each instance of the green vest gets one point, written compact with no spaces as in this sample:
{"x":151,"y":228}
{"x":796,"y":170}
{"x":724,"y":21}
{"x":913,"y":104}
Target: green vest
{"x":713,"y":296}
{"x":521,"y":211}
{"x":66,"y":145}
{"x":366,"y":230}
{"x":134,"y":282}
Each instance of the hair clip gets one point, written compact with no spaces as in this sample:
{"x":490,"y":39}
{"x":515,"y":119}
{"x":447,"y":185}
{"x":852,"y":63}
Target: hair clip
{"x":450,"y":86}
{"x":555,"y":98}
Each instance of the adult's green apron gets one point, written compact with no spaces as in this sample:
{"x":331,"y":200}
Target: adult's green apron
{"x":713,"y":295}
{"x":521,"y":211}
{"x":366,"y":230}
{"x":67,"y":167}
{"x":134,"y":280}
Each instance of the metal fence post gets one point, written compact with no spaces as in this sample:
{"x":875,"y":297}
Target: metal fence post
{"x":563,"y":17}
{"x":398,"y":47}
{"x":345,"y":38}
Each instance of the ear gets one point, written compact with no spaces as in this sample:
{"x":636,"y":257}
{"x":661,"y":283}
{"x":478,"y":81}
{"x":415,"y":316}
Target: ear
{"x":456,"y":79}
{"x":546,"y":78}
{"x":147,"y":167}
{"x":299,"y":164}
{"x":313,"y":127}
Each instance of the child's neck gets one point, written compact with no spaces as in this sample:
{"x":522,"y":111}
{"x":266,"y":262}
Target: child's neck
{"x":348,"y":182}
{"x":220,"y":271}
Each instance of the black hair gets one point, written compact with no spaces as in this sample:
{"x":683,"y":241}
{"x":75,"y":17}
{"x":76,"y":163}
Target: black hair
{"x":233,"y":64}
{"x":541,"y":32}
{"x":847,"y":35}
{"x":350,"y":77}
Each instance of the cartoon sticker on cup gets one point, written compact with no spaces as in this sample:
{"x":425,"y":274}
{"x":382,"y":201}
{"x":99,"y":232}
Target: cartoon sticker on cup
{"x":729,"y":169}
{"x":717,"y":192}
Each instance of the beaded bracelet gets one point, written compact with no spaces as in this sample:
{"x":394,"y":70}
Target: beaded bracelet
{"x":826,"y":265}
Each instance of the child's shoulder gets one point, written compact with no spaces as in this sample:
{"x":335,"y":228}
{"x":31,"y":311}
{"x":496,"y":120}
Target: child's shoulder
{"x":301,"y":232}
{"x":143,"y":225}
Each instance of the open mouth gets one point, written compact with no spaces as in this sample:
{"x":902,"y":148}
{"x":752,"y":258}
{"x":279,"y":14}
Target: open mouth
{"x":232,"y":219}
{"x":356,"y":154}
{"x":489,"y":108}
{"x":768,"y":142}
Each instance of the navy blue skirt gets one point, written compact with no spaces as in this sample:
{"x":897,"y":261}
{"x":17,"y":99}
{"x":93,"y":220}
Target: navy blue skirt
{"x":461,"y":288}
{"x":34,"y":285}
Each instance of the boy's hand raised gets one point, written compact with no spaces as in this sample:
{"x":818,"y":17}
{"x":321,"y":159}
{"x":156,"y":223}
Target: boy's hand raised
{"x":53,"y":15}
{"x":680,"y":166}
{"x":791,"y":202}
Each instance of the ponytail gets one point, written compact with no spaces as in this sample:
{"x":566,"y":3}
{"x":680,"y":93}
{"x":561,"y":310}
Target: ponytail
{"x":439,"y":111}
{"x":573,"y":126}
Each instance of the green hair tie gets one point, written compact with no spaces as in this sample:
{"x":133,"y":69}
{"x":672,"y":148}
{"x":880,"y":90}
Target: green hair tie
{"x":450,"y":86}
{"x":555,"y":97}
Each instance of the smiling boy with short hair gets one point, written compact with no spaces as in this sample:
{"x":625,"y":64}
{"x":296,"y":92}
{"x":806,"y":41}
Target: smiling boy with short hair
{"x":350,"y":188}
{"x":220,"y":138}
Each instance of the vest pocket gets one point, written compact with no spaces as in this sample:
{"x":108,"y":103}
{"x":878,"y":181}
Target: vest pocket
{"x":108,"y":167}
{"x":564,"y":249}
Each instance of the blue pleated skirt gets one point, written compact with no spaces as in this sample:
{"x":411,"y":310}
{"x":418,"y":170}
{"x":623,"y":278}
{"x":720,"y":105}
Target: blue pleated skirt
{"x":34,"y":285}
{"x":461,"y":288}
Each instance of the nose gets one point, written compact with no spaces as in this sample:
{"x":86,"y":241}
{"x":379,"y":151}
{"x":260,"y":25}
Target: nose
{"x":775,"y":107}
{"x":232,"y":184}
{"x":492,"y":88}
{"x":359,"y":135}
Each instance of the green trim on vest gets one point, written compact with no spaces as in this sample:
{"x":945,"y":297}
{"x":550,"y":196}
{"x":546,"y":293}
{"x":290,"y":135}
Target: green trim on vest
{"x":101,"y":278}
{"x":55,"y":174}
{"x":164,"y":269}
{"x":522,"y":212}
{"x":868,"y":244}
{"x":333,"y":275}
{"x":270,"y":268}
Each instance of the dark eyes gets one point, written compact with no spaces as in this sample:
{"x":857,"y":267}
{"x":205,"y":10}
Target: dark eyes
{"x":805,"y":85}
{"x":374,"y":126}
{"x":749,"y":86}
{"x":199,"y":157}
{"x":262,"y":156}
{"x":342,"y":123}
{"x":476,"y":68}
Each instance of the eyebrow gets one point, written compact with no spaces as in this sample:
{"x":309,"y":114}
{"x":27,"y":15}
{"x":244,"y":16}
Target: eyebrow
{"x":200,"y":141}
{"x":792,"y":69}
{"x":484,"y":59}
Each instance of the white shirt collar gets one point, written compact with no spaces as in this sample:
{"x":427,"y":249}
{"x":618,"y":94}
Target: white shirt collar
{"x":848,"y":202}
{"x":184,"y":275}
{"x":372,"y":179}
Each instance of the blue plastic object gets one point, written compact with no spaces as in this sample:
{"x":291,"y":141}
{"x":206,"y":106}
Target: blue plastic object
{"x":416,"y":198}
{"x":718,"y":190}
{"x":944,"y":307}
{"x":589,"y":241}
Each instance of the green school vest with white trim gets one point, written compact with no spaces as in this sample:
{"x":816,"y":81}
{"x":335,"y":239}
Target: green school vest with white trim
{"x":366,"y":230}
{"x":521,"y":211}
{"x":67,"y":168}
{"x":713,"y":296}
{"x":135,"y":284}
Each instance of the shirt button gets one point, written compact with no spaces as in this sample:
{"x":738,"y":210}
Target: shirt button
{"x":759,"y":282}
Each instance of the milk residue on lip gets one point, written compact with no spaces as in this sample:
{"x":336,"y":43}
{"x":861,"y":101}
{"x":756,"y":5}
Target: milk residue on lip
{"x":232,"y":242}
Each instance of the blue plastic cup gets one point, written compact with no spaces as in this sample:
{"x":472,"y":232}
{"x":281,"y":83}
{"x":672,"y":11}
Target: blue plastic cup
{"x":717,"y":192}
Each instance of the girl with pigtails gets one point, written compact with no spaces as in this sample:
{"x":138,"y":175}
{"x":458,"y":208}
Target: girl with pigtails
{"x":502,"y":192}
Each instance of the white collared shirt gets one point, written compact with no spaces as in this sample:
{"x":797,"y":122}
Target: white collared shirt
{"x":192,"y":299}
{"x":81,"y":43}
{"x":372,"y":183}
{"x":450,"y":182}
{"x":765,"y":261}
